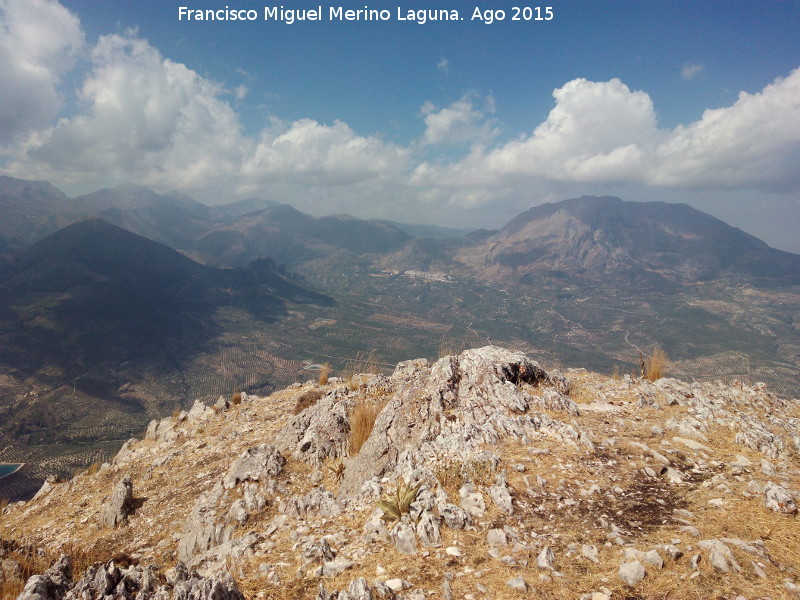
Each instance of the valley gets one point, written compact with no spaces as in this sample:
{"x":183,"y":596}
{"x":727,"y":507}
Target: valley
{"x":79,"y":375}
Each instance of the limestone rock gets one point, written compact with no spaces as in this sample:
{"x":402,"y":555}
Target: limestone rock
{"x":518,"y":583}
{"x":120,"y":506}
{"x":461,"y":403}
{"x":255,"y":464}
{"x":404,"y":538}
{"x":52,"y":585}
{"x":778,"y":499}
{"x":546,"y":559}
{"x":453,"y":516}
{"x":499,"y":493}
{"x":319,"y":432}
{"x":428,"y":529}
{"x":631,"y":572}
{"x":204,"y":528}
{"x":720,"y":556}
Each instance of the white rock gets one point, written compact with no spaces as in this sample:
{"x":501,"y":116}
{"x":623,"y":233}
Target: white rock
{"x":778,"y":499}
{"x":590,"y":551}
{"x":397,"y":585}
{"x":631,"y":572}
{"x":518,"y":583}
{"x":546,"y":559}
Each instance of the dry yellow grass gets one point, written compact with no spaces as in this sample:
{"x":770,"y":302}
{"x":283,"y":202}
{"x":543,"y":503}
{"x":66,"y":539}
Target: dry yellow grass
{"x":656,"y":365}
{"x":324,"y":373}
{"x":362,"y":420}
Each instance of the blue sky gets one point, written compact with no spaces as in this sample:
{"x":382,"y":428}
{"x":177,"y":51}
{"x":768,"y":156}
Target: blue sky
{"x":459,"y":123}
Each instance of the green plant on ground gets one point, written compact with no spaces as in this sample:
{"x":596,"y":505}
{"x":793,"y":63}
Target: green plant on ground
{"x":396,"y":506}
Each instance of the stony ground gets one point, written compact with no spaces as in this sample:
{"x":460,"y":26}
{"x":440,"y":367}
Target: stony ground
{"x":518,"y":483}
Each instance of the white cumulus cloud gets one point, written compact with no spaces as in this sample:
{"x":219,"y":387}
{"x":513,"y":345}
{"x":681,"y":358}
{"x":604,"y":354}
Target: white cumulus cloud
{"x":605,"y":133}
{"x":39,"y":42}
{"x":312,"y":153}
{"x":143,"y":117}
{"x":459,"y":123}
{"x":755,"y":143}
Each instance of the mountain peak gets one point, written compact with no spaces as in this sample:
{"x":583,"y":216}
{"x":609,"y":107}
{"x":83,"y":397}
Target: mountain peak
{"x":598,"y":237}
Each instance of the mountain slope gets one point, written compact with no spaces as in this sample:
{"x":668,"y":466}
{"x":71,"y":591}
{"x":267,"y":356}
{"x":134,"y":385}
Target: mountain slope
{"x":172,"y":219}
{"x":107,"y":292}
{"x":96,"y":321}
{"x":293,"y":237}
{"x":22,"y":205}
{"x":600,"y":237}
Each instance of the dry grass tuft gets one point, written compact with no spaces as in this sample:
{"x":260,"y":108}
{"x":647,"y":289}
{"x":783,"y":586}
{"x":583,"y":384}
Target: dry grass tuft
{"x":93,"y":468}
{"x":362,"y":420}
{"x":324,"y":373}
{"x":307,"y":399}
{"x":451,"y":348}
{"x":362,"y":363}
{"x":582,"y":393}
{"x":655,"y":366}
{"x":236,"y":398}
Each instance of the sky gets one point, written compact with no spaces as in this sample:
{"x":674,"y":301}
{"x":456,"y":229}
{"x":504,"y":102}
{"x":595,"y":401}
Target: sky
{"x":463,"y":122}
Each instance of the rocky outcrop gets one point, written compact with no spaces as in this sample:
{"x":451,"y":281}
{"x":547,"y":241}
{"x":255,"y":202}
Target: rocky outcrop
{"x":102,"y":581}
{"x":459,"y":404}
{"x":52,"y":585}
{"x":484,"y":474}
{"x":120,"y":506}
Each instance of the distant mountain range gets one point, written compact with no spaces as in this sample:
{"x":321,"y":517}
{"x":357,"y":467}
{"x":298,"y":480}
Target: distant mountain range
{"x":599,"y":237}
{"x":123,"y":304}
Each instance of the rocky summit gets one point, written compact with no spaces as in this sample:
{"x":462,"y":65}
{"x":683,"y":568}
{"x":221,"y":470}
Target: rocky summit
{"x":482,"y":475}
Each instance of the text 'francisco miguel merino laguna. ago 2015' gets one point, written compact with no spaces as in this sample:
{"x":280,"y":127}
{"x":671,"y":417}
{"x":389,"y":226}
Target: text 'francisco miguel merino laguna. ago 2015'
{"x":339,"y":13}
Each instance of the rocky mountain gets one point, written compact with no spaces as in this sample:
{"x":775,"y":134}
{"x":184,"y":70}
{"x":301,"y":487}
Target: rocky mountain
{"x":480,"y":475}
{"x":172,"y":219}
{"x":597,"y":238}
{"x":298,"y":239}
{"x":22,"y":205}
{"x":591,"y":281}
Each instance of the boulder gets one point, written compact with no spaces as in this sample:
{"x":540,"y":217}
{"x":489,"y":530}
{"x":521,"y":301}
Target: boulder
{"x":120,"y":506}
{"x":52,"y":585}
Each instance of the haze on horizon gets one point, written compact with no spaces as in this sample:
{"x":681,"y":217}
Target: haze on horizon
{"x":460,"y":124}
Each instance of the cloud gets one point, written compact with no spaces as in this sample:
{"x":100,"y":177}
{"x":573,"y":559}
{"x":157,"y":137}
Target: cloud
{"x":315,"y":154}
{"x":146,"y":118}
{"x":605,"y":133}
{"x":689,"y":70}
{"x":458,"y":123}
{"x":39,"y":42}
{"x":139,"y":116}
{"x":444,"y":66}
{"x":755,"y":144}
{"x":142,"y":117}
